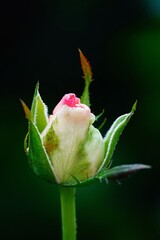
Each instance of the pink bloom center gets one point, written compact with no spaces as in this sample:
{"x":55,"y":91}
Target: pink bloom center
{"x":70,"y":100}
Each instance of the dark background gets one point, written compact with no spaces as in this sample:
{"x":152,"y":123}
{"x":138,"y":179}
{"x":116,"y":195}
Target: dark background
{"x":39,"y":40}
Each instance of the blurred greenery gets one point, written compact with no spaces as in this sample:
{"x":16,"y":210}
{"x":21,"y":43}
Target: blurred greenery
{"x":40,"y":41}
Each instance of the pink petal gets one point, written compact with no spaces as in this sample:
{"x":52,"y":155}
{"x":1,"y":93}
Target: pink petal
{"x":70,"y":100}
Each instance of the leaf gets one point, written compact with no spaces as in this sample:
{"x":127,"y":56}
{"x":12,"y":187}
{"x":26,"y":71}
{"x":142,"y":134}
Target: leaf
{"x":39,"y":111}
{"x":113,"y":134}
{"x":38,"y":158}
{"x":122,"y":171}
{"x":86,"y":68}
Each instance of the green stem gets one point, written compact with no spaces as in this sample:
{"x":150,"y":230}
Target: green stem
{"x":68,"y":212}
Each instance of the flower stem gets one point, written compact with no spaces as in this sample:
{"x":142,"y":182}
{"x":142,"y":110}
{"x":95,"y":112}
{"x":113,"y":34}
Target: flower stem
{"x":68,"y":213}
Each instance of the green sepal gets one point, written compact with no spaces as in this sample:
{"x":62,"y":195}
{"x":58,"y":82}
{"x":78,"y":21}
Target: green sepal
{"x":26,"y":109}
{"x":86,"y":68}
{"x":99,"y":115}
{"x":121,"y":171}
{"x":26,"y":143}
{"x":113,"y":134}
{"x":37,"y":156}
{"x":39,"y":111}
{"x":103,"y":122}
{"x":78,"y":183}
{"x":114,"y":173}
{"x":85,"y":95}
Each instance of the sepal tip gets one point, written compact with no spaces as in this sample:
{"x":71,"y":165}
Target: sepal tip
{"x":25,"y":109}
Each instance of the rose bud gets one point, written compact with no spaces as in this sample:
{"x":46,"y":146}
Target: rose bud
{"x":74,"y":146}
{"x":66,"y":148}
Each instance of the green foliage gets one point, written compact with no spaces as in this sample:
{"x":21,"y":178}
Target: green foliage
{"x":114,"y":173}
{"x":121,"y":171}
{"x":113,"y":134}
{"x":37,"y":156}
{"x":86,"y":68}
{"x":39,"y":111}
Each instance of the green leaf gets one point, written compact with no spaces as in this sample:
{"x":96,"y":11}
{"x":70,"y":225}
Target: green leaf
{"x":39,"y":111}
{"x":86,"y":68}
{"x":38,"y":158}
{"x":113,"y":135}
{"x":122,"y":171}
